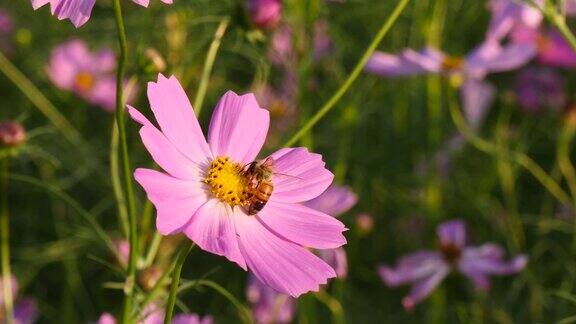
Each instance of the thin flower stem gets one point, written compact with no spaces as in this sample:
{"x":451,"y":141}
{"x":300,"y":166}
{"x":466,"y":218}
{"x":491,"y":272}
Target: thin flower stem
{"x":333,"y":305}
{"x":128,"y":187}
{"x":184,"y":251}
{"x":558,"y":19}
{"x":5,"y":241}
{"x":243,"y":311}
{"x":353,"y":75}
{"x":209,"y":64}
{"x":489,"y":148}
{"x":116,"y":179}
{"x":566,"y":167}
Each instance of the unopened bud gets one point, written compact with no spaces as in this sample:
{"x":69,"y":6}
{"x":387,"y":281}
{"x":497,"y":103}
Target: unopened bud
{"x":11,"y":134}
{"x":148,"y":278}
{"x":265,"y":14}
{"x":364,"y":223}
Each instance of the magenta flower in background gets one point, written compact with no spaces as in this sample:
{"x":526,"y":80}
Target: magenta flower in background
{"x":91,"y":76}
{"x":322,"y":42}
{"x":25,"y":309}
{"x":78,"y":11}
{"x":204,"y":188}
{"x":425,"y":270}
{"x":155,"y":314}
{"x":552,"y":48}
{"x":336,"y":200}
{"x":6,"y":23}
{"x":268,"y":305}
{"x":538,"y":88}
{"x":123,"y":250}
{"x":265,"y":14}
{"x":477,"y":95}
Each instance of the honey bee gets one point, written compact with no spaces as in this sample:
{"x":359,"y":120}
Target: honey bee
{"x":260,"y":187}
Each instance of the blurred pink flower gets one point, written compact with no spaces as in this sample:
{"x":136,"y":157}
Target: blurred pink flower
{"x":477,"y":95}
{"x":538,"y":88}
{"x":204,"y":189}
{"x":78,"y":11}
{"x":155,"y":314}
{"x":11,"y":134}
{"x":425,"y":270}
{"x":25,"y":309}
{"x":123,"y":248}
{"x":74,"y":68}
{"x":6,"y":23}
{"x":322,"y":42}
{"x":268,"y":305}
{"x":552,"y":48}
{"x":336,"y":200}
{"x":364,"y":223}
{"x":265,"y":14}
{"x":510,"y":14}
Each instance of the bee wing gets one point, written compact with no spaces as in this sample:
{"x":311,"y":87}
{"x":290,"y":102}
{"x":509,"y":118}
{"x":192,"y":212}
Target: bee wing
{"x":287,"y":175}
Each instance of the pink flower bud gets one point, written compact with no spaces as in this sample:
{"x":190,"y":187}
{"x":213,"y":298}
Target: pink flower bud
{"x":365,"y":223}
{"x":11,"y":134}
{"x":265,"y":14}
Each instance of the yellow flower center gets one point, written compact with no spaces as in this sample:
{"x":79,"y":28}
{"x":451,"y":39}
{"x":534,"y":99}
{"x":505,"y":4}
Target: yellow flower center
{"x":452,"y":62}
{"x":227,"y":181}
{"x":84,"y":81}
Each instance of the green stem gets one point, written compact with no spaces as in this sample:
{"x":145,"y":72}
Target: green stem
{"x":243,"y":311}
{"x":210,"y":58}
{"x":559,"y":21}
{"x":128,"y":187}
{"x":185,"y":250}
{"x":353,"y":75}
{"x":489,"y":148}
{"x":565,"y":165}
{"x":115,"y":179}
{"x":333,"y":305}
{"x":5,"y":241}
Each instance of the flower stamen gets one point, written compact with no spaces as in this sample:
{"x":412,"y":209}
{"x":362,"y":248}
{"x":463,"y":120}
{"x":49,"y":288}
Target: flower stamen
{"x":84,"y":81}
{"x":452,"y":63}
{"x":227,"y":181}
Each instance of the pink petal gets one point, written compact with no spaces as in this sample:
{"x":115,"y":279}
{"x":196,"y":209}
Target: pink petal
{"x":303,"y":225}
{"x":164,"y":152}
{"x":78,"y":11}
{"x":103,"y":93}
{"x":334,"y":201}
{"x":39,"y":3}
{"x":212,"y":228}
{"x":143,"y":3}
{"x":105,"y":61}
{"x":477,"y":97}
{"x":106,"y":318}
{"x":452,"y":232}
{"x":424,"y":287}
{"x":238,"y":127}
{"x":488,"y":260}
{"x":407,"y":63}
{"x":280,"y":264}
{"x":299,"y":175}
{"x":175,"y":200}
{"x":337,"y":259}
{"x":176,"y":118}
{"x":492,"y":57}
{"x":411,"y":268}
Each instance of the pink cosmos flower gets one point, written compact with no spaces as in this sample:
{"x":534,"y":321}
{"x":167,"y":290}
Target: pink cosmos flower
{"x":336,"y":200}
{"x":74,"y":68}
{"x":25,"y":309}
{"x":6,"y":23}
{"x":425,"y":270}
{"x":477,"y":95}
{"x":155,"y":315}
{"x":538,"y":88}
{"x":265,"y":14}
{"x":268,"y":305}
{"x":78,"y":11}
{"x":204,"y":189}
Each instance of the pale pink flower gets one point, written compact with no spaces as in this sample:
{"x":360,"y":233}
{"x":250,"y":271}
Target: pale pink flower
{"x":155,"y":314}
{"x":265,"y":14}
{"x":91,"y":76}
{"x":204,"y":188}
{"x":78,"y":11}
{"x":425,"y":269}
